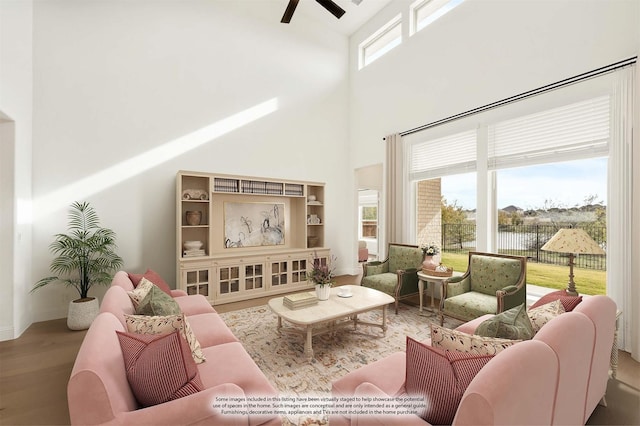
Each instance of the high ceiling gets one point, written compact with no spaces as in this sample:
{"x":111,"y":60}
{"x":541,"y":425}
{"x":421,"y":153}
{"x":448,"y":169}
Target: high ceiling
{"x":355,"y":16}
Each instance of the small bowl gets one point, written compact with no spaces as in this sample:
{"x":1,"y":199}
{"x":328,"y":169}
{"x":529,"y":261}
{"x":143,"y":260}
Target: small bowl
{"x":193,"y":245}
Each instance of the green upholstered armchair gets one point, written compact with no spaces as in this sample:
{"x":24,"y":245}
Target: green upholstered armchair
{"x":492,"y":284}
{"x":397,"y":275}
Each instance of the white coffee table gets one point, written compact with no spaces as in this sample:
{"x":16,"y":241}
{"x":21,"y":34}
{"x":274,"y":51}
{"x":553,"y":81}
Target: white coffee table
{"x":330,"y":315}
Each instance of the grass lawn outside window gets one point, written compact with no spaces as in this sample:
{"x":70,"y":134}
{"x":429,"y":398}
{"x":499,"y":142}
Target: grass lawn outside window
{"x":588,"y":281}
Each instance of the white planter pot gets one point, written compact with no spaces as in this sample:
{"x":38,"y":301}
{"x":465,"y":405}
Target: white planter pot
{"x":82,"y":312}
{"x":323,"y":291}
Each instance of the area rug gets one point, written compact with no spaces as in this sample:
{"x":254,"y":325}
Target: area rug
{"x":281,"y":357}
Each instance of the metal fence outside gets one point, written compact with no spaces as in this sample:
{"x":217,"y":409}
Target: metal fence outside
{"x":525,"y":240}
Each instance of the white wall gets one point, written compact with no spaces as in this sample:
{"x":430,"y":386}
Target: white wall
{"x":15,"y":150}
{"x":115,"y":82}
{"x":480,"y":52}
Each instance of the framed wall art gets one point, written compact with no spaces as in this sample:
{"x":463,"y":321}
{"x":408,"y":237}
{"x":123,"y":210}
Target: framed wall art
{"x":253,"y":224}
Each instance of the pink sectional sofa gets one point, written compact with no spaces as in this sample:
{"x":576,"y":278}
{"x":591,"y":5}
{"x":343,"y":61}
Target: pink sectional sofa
{"x":99,"y":392}
{"x":556,"y":378}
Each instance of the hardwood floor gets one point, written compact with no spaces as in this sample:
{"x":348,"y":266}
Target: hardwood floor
{"x":35,"y":368}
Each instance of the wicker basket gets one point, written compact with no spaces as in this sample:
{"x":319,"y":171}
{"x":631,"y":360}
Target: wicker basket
{"x":434,"y":273}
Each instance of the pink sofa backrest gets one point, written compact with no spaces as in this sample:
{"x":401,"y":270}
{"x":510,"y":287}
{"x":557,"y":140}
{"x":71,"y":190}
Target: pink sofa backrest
{"x":571,"y":336}
{"x":98,"y":388}
{"x":117,"y":301}
{"x":601,"y":310}
{"x":121,"y":279}
{"x":516,"y":387}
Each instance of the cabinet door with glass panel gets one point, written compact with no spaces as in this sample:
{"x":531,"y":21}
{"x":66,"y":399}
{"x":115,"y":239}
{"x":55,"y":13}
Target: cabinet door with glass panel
{"x":239,"y":277}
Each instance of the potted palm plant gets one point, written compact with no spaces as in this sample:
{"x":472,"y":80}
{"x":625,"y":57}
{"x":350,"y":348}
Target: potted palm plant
{"x":84,"y":257}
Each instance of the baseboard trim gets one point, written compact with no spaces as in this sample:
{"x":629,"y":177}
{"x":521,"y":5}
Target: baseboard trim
{"x":6,"y":333}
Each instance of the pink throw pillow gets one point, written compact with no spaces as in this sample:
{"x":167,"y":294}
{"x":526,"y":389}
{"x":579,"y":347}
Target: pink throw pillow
{"x":440,"y":377}
{"x":568,"y":302}
{"x":153,"y":277}
{"x":159,"y":367}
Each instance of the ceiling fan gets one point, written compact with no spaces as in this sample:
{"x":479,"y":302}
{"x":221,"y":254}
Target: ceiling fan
{"x":331,"y":6}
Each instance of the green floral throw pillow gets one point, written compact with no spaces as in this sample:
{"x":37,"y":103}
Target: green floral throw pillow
{"x":157,"y":302}
{"x":512,"y":324}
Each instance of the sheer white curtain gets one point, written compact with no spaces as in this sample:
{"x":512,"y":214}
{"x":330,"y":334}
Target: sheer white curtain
{"x":394,"y":190}
{"x":620,"y":283}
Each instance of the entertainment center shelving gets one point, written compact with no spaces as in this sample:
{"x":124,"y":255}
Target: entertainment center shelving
{"x":235,"y":211}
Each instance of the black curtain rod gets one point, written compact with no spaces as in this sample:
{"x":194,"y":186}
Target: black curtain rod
{"x":524,"y":95}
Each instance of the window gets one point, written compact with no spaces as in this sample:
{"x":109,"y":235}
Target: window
{"x":370,"y":221}
{"x":382,"y":41}
{"x":424,"y":12}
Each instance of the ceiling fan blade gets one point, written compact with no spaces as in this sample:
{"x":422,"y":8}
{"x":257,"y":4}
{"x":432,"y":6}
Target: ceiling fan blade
{"x":288,"y":13}
{"x":332,"y":7}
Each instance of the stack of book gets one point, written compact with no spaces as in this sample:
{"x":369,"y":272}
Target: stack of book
{"x":194,"y":253}
{"x":300,"y":300}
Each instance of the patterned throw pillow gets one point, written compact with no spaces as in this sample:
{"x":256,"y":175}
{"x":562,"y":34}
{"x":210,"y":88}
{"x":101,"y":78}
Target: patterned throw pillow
{"x":440,"y":377}
{"x":143,"y":324}
{"x":512,"y":324}
{"x":453,"y":340}
{"x":140,"y":292}
{"x":156,"y":302}
{"x":568,"y":302}
{"x":152,"y":276}
{"x":543,"y":314}
{"x":159,"y":367}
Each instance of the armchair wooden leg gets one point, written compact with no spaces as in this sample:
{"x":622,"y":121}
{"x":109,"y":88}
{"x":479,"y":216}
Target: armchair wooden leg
{"x":396,"y":306}
{"x":441,"y":320}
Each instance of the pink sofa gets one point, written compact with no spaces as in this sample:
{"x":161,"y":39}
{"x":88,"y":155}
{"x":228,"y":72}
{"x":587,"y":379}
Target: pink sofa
{"x":558,"y":377}
{"x":99,"y":393}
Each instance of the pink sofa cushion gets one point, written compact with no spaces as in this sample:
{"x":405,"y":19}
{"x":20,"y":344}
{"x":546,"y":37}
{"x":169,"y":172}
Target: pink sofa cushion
{"x":441,"y":377}
{"x":159,"y":367}
{"x":152,"y":276}
{"x":568,"y":302}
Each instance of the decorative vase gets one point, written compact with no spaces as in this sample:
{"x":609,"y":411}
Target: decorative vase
{"x":194,"y":217}
{"x":82,"y":312}
{"x":323,"y":291}
{"x":430,"y":263}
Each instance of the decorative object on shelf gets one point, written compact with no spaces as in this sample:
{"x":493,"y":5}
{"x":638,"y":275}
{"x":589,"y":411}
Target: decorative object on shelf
{"x":86,"y":256}
{"x":194,"y":217}
{"x":311,"y":198}
{"x":253,"y":224}
{"x":322,"y":275}
{"x":195,"y":194}
{"x":572,"y":241}
{"x":313,"y":219}
{"x":193,"y":248}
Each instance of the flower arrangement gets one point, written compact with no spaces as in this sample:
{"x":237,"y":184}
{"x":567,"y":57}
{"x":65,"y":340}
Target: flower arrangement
{"x":430,"y":249}
{"x":322,"y":270}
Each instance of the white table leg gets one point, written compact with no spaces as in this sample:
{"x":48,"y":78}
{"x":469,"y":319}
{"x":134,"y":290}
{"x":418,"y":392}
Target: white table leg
{"x":384,"y":320}
{"x":433,"y":287}
{"x":308,"y":349}
{"x":421,"y":291}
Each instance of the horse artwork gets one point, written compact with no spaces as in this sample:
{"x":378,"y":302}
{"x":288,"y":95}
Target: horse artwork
{"x":253,"y":224}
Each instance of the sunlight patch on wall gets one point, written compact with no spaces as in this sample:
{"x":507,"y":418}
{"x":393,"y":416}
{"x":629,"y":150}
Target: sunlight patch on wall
{"x":128,"y":168}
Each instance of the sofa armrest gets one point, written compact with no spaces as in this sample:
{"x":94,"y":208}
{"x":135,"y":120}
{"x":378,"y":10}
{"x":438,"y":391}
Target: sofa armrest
{"x":178,"y":293}
{"x":455,"y":286}
{"x":370,"y":390}
{"x":510,"y":297}
{"x":198,"y":408}
{"x":407,"y":281}
{"x":375,"y":268}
